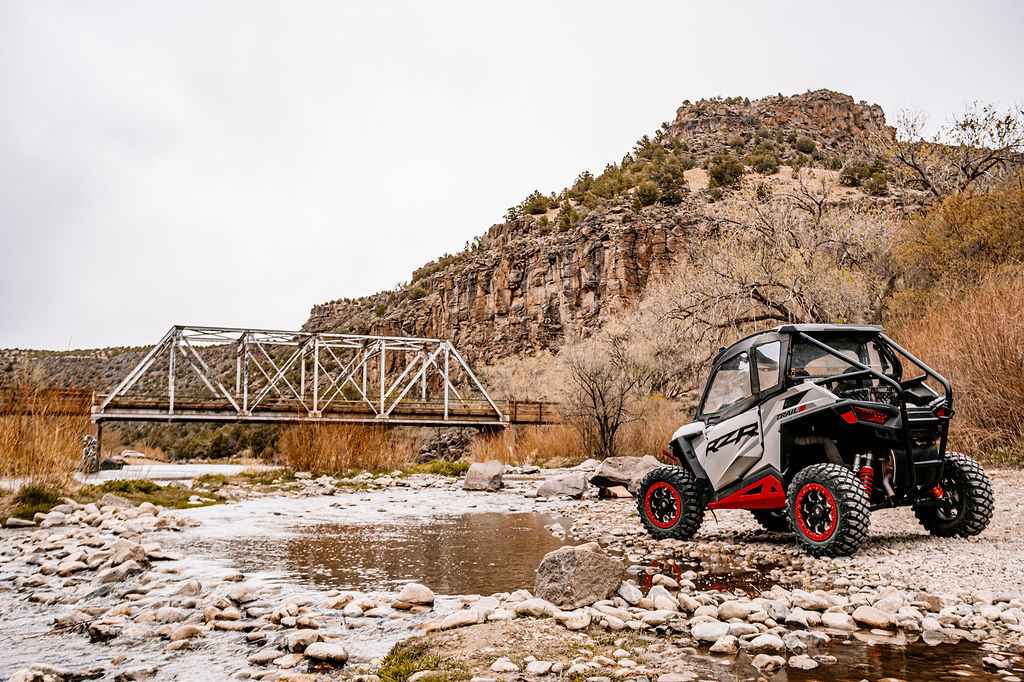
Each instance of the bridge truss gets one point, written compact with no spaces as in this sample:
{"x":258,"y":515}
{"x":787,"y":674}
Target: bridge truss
{"x":259,"y":375}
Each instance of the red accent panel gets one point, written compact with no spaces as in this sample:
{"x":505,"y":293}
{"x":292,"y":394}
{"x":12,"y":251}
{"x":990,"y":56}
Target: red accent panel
{"x":764,"y":493}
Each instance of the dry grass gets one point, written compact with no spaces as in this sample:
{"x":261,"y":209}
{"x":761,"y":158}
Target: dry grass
{"x":343,"y":448}
{"x":39,"y":443}
{"x":562,"y":445}
{"x":977,"y":342}
{"x":540,"y":445}
{"x":651,"y":433}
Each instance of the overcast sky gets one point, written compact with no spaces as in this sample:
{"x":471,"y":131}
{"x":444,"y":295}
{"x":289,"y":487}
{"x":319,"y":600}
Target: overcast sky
{"x":236,"y":162}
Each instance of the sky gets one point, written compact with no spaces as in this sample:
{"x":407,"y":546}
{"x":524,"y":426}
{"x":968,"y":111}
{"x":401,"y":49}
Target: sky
{"x":234,"y":163}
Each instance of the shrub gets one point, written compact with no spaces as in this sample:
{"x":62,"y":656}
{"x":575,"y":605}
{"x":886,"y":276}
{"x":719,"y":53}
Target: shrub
{"x":440,"y":467}
{"x":736,"y":141}
{"x":646,"y":194}
{"x":30,"y":500}
{"x":536,"y":203}
{"x":876,"y":185}
{"x":975,"y":340}
{"x":766,"y":164}
{"x":724,"y":171}
{"x":568,"y":217}
{"x":805,"y":145}
{"x":961,"y":239}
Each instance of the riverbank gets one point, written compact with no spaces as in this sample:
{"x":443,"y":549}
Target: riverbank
{"x":128,"y":592}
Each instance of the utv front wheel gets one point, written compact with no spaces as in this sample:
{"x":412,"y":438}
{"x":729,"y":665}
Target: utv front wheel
{"x":671,"y":503}
{"x":965,"y":501}
{"x":828,"y":510}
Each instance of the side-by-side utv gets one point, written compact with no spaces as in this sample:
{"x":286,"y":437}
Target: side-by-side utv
{"x":811,"y":427}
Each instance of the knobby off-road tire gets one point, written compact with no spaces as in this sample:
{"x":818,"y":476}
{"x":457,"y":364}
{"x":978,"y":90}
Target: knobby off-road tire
{"x":671,"y":503}
{"x":772,"y":520}
{"x":967,"y":501}
{"x":828,"y":510}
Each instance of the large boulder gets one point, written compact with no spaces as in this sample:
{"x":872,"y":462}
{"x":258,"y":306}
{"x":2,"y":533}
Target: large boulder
{"x":570,"y":485}
{"x":624,"y":471}
{"x":484,"y":476}
{"x":572,"y":577}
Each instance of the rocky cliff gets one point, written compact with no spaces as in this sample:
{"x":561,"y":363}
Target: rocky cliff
{"x":535,"y":281}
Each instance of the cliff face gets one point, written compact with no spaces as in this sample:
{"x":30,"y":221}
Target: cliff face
{"x":526,"y":292}
{"x":528,"y":285}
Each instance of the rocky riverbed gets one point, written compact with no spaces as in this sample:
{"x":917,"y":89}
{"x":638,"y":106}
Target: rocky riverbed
{"x":114,"y":591}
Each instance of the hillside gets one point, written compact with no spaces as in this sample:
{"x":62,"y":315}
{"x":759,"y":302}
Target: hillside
{"x":562,"y":263}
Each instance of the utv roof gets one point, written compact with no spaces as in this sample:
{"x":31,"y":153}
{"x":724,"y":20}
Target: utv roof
{"x":811,"y":328}
{"x":767,"y":335}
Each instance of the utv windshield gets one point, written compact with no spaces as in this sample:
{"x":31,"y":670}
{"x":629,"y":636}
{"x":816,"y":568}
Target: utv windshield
{"x":810,"y":361}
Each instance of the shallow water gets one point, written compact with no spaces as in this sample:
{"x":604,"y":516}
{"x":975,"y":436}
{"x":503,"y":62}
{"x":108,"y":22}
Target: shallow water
{"x":471,"y":553}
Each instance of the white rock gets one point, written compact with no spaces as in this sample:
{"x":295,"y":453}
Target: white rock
{"x":837,"y":620}
{"x":709,"y":630}
{"x":727,"y":644}
{"x":630,"y":592}
{"x":331,"y":652}
{"x":415,"y":593}
{"x":538,"y":667}
{"x":504,"y":665}
{"x":802,"y":662}
{"x":766,"y":642}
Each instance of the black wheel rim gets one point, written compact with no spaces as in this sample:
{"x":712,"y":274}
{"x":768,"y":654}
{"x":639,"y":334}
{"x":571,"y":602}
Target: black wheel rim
{"x":663,"y":504}
{"x":950,"y":506}
{"x":816,"y":512}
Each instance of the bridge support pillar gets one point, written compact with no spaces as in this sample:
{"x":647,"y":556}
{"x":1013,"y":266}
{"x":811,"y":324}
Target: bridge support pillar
{"x":99,"y":441}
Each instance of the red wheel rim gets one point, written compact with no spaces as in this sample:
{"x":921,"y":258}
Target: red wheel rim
{"x":817,"y":514}
{"x":663,"y":505}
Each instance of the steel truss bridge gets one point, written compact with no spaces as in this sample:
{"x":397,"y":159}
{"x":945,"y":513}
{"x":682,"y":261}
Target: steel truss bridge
{"x":215,"y":374}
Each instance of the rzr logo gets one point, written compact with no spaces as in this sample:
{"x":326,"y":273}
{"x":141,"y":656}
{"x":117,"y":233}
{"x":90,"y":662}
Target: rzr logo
{"x":736,"y":436}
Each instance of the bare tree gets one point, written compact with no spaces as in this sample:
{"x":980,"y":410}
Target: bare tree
{"x":765,"y":259}
{"x":977,"y":146}
{"x":601,"y":392}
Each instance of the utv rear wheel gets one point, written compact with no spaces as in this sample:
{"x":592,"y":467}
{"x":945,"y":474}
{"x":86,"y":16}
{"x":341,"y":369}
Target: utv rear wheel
{"x":671,"y":503}
{"x":965,"y":501}
{"x":828,"y":510}
{"x":772,"y":520}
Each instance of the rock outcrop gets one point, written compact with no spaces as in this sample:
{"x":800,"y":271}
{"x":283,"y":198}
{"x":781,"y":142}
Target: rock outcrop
{"x":530,"y":284}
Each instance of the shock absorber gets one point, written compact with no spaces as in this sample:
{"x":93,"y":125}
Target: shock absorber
{"x":866,"y":474}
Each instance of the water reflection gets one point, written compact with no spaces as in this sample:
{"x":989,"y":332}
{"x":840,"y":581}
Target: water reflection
{"x":478,"y":553}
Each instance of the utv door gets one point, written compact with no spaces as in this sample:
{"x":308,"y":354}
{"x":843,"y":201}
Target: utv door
{"x":732,"y":436}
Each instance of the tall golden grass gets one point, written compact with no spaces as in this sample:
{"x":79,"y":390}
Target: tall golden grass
{"x":659,"y":419}
{"x":541,"y":445}
{"x":977,"y":341}
{"x":40,"y":441}
{"x":344,"y":448}
{"x":563,"y":445}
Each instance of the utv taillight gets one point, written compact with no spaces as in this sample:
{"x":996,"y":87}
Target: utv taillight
{"x":871,"y":415}
{"x":849,"y":417}
{"x":940,"y":412}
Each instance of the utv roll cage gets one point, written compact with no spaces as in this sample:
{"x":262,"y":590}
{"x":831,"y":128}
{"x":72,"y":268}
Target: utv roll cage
{"x":936,"y":411}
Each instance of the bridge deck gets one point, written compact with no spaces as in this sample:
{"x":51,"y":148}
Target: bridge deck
{"x":413,"y":413}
